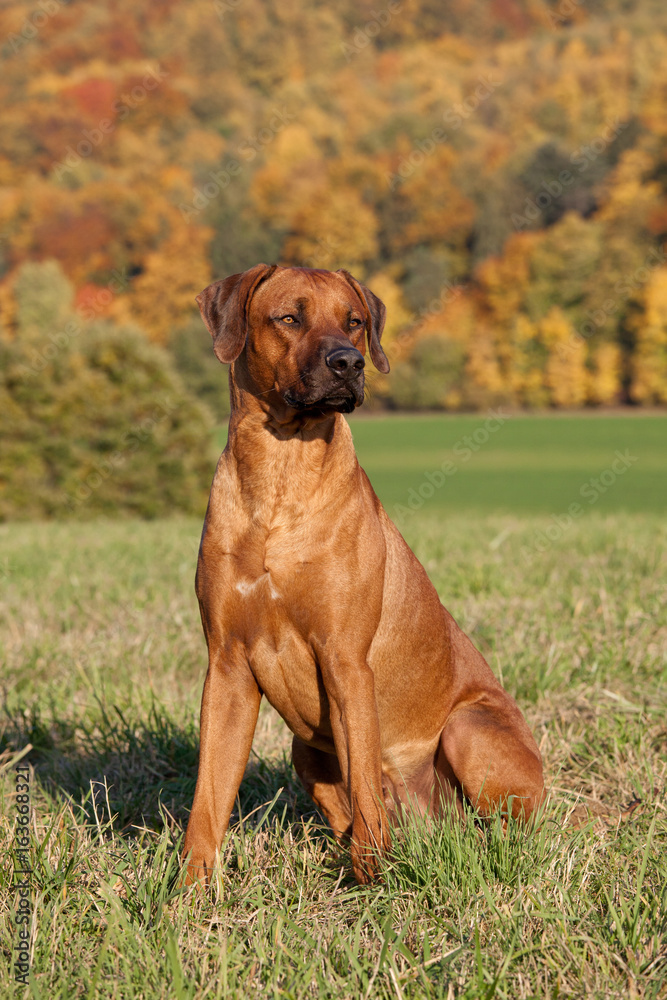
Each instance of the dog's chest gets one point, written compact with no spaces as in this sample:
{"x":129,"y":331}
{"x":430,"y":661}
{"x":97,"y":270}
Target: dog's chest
{"x":287,"y":673}
{"x":267,"y":602}
{"x":267,"y":573}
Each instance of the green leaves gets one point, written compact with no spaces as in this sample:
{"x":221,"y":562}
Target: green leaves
{"x":94,"y":419}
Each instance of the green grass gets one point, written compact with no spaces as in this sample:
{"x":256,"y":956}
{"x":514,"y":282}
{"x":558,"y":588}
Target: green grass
{"x":528,"y":463}
{"x":102,"y":668}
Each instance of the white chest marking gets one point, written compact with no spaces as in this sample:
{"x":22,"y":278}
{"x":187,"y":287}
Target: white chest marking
{"x":247,"y":587}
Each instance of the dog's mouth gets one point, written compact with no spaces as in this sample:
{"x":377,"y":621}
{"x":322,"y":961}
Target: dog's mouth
{"x":343,"y":401}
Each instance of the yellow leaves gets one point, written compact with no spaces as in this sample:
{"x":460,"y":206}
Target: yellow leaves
{"x":517,"y":356}
{"x":555,"y":329}
{"x":524,"y":330}
{"x":544,"y":363}
{"x":139,"y":153}
{"x":654,"y":106}
{"x":176,"y":182}
{"x":482,"y":365}
{"x":398,"y":316}
{"x":10,"y":199}
{"x":359,"y":148}
{"x":334,"y":228}
{"x":162,"y":297}
{"x":294,"y":145}
{"x":451,"y":314}
{"x":575,"y":52}
{"x":565,"y":375}
{"x":605,"y":375}
{"x":438,"y":209}
{"x":7,"y":307}
{"x":10,"y":174}
{"x":649,"y":360}
{"x":652,"y":326}
{"x":316,"y":127}
{"x":627,"y":193}
{"x":294,"y":173}
{"x":329,"y":224}
{"x":504,"y":280}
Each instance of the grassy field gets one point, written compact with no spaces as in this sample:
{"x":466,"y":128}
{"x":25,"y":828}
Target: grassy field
{"x":102,"y":668}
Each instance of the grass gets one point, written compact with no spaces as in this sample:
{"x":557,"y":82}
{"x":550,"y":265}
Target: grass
{"x":102,"y":668}
{"x":523,"y":464}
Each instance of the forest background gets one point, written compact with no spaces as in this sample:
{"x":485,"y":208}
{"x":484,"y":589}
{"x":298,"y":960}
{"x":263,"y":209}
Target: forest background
{"x":496,"y":172}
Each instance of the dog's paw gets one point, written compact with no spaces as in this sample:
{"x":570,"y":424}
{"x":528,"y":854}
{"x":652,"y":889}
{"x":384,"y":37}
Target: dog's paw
{"x":366,"y":852}
{"x":195,"y":871}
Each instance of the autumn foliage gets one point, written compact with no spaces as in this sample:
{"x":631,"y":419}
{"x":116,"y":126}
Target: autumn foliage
{"x":497,"y":172}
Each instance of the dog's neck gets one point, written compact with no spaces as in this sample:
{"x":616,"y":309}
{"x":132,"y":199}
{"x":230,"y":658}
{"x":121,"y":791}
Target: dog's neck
{"x":281,"y":457}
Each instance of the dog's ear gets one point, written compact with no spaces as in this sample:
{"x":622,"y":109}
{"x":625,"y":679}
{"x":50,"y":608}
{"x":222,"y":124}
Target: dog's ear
{"x":375,"y":317}
{"x":224,"y":307}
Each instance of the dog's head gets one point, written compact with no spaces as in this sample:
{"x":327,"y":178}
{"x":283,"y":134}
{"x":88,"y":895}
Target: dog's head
{"x":297,"y":335}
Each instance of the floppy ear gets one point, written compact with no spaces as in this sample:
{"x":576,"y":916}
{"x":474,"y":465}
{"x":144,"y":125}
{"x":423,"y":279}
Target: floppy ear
{"x":224,"y":307}
{"x":375,"y":317}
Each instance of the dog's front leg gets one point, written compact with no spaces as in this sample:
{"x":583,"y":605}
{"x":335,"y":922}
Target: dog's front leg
{"x":229,"y":709}
{"x":356,"y":732}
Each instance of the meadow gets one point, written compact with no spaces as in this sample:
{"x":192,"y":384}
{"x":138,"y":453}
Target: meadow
{"x":102,"y":668}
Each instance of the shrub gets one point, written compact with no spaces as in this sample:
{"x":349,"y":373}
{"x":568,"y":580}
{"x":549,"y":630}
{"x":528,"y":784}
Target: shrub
{"x":202,"y":374}
{"x":95,"y":421}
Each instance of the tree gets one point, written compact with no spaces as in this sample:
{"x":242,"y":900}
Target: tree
{"x":649,"y":361}
{"x":431,"y":378}
{"x":162,"y":298}
{"x":565,"y":374}
{"x":93,"y":417}
{"x":606,"y":370}
{"x":43,"y":298}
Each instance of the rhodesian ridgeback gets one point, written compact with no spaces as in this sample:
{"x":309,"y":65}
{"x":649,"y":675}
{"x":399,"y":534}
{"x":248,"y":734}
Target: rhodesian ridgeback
{"x":309,"y":594}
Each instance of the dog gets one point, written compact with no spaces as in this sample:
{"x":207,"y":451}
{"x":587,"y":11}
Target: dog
{"x":310,"y":596}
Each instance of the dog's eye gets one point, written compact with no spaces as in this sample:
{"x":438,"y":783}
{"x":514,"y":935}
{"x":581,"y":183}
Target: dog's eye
{"x":355,"y":322}
{"x":287,"y":319}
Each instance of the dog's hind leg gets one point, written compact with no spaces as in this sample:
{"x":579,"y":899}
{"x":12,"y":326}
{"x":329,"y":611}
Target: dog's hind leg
{"x":493,"y":756}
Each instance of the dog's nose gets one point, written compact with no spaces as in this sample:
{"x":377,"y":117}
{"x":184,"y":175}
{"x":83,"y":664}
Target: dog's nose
{"x":346,"y":362}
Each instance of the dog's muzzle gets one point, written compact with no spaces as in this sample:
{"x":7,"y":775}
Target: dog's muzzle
{"x":338,"y":384}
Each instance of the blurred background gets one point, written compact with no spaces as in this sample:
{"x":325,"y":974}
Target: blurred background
{"x":495,"y":171}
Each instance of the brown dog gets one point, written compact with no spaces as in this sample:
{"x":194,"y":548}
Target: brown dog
{"x":310,"y":596}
